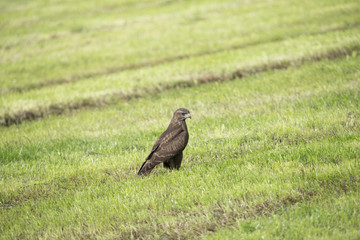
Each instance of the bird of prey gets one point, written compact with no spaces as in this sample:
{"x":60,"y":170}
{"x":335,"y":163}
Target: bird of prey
{"x":170,"y":145}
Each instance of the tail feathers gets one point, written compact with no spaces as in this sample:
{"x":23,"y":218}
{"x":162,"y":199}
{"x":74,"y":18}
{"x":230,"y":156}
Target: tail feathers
{"x":142,"y":170}
{"x":148,"y":166}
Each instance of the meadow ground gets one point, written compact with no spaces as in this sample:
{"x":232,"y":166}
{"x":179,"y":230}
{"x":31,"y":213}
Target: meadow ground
{"x":87,"y":87}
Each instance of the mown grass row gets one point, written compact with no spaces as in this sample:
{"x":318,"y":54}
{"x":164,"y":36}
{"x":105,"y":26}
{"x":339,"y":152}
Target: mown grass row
{"x":17,"y":108}
{"x":45,"y":44}
{"x":269,"y":142}
{"x":105,"y":86}
{"x":83,"y":76}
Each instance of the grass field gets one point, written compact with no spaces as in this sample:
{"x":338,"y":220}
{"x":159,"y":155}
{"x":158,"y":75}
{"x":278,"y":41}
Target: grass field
{"x":87,"y":87}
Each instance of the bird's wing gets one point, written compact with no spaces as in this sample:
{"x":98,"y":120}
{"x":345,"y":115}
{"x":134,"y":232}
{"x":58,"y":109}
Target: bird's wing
{"x":168,"y":145}
{"x":165,"y":148}
{"x":171,"y":145}
{"x":157,"y":144}
{"x":165,"y":141}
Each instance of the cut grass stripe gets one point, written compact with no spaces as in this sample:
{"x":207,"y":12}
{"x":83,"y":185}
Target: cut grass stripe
{"x":81,"y":77}
{"x":9,"y":119}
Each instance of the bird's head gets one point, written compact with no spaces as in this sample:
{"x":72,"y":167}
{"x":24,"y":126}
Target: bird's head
{"x":181,"y":114}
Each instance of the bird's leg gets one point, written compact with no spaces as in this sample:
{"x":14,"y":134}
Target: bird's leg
{"x":175,"y":162}
{"x":170,"y":163}
{"x":167,"y":164}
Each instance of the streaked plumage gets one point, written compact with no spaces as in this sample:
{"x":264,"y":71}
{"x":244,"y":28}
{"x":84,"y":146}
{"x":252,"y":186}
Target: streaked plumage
{"x":169,"y":146}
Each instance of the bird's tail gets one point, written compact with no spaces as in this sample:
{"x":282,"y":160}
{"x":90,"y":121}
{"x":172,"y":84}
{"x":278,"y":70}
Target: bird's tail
{"x":145,"y":169}
{"x":148,"y":166}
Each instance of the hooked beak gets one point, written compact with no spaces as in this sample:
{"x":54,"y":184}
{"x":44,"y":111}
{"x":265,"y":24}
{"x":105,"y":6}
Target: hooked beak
{"x":188,"y":116}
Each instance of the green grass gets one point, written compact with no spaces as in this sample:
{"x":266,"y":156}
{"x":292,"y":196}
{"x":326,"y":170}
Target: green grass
{"x":329,"y":219}
{"x":273,"y":153}
{"x":60,"y":40}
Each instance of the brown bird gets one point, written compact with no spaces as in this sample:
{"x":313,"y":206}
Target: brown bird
{"x":170,"y":145}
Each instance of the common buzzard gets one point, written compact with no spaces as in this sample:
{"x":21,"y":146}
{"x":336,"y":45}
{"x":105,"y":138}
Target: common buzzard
{"x":169,"y":146}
